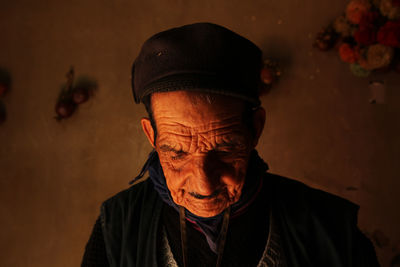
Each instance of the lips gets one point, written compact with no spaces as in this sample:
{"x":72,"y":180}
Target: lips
{"x":199,"y":196}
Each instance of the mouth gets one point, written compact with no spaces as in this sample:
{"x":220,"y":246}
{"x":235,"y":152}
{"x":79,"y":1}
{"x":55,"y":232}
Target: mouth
{"x":199,"y":196}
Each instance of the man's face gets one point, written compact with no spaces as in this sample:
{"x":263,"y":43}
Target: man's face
{"x":203,"y":149}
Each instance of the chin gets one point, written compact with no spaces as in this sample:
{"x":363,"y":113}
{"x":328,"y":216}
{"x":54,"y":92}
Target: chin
{"x":206,"y":208}
{"x":205,"y":213}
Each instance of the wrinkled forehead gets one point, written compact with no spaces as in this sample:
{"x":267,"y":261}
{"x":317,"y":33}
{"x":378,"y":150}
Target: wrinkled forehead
{"x":195,"y":108}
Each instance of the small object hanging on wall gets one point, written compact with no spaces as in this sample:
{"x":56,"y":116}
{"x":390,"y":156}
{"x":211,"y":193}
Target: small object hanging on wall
{"x":80,"y":95}
{"x":74,"y":94}
{"x":5,"y":85}
{"x":65,"y":107}
{"x":377,"y":89}
{"x":270,"y":73}
{"x":3,"y":113}
{"x":5,"y":82}
{"x":3,"y":89}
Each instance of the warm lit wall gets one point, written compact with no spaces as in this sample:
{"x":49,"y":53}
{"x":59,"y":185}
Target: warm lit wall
{"x":54,"y":175}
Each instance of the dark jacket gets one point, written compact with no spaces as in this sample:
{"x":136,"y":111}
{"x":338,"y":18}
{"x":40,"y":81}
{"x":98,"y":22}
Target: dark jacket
{"x":317,"y":228}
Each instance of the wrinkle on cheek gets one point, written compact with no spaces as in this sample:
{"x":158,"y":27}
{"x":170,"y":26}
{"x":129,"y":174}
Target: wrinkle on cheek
{"x":234,"y":192}
{"x":175,"y":180}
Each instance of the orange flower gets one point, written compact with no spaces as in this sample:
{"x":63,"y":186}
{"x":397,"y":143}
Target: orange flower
{"x":356,"y":9}
{"x":376,"y":57}
{"x":348,"y":53}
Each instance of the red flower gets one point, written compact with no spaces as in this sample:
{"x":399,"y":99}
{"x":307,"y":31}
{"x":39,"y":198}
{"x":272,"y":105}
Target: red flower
{"x":348,"y":53}
{"x":396,"y":2}
{"x":356,"y":9}
{"x":365,"y":35}
{"x":389,"y":34}
{"x":369,"y":19}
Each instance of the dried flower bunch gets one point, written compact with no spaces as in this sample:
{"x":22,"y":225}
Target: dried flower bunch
{"x":73,"y":94}
{"x":5,"y":84}
{"x":270,"y":74}
{"x":367,"y":36}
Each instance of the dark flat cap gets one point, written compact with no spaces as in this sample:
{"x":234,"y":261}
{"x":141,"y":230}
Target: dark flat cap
{"x":198,"y":57}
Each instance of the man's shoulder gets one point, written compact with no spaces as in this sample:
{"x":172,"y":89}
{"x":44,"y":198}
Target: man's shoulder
{"x":130,"y":195}
{"x":129,"y":222}
{"x":299,"y":196}
{"x":322,"y":224}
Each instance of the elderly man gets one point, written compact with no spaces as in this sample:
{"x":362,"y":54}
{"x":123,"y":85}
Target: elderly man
{"x":209,"y":200}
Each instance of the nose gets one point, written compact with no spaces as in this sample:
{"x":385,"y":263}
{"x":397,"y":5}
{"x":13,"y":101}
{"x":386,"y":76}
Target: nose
{"x":205,"y":181}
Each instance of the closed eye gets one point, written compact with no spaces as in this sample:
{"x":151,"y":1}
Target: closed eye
{"x":176,"y":155}
{"x":230,"y":147}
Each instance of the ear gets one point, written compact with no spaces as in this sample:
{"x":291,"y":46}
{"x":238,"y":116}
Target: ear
{"x":148,"y":130}
{"x":258,"y":122}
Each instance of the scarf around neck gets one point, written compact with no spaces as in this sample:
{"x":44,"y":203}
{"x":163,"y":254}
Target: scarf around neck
{"x":209,"y":226}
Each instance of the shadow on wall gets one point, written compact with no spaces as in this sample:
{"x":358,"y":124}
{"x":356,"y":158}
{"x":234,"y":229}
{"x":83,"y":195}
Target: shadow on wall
{"x":396,"y":261}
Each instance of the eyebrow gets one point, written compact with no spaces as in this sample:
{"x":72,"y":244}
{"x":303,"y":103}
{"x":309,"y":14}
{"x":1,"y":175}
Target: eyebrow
{"x":225,"y":145}
{"x":167,"y":148}
{"x":230,"y":143}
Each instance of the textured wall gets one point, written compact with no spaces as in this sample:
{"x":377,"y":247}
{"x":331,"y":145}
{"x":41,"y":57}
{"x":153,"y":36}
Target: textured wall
{"x":54,"y":175}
